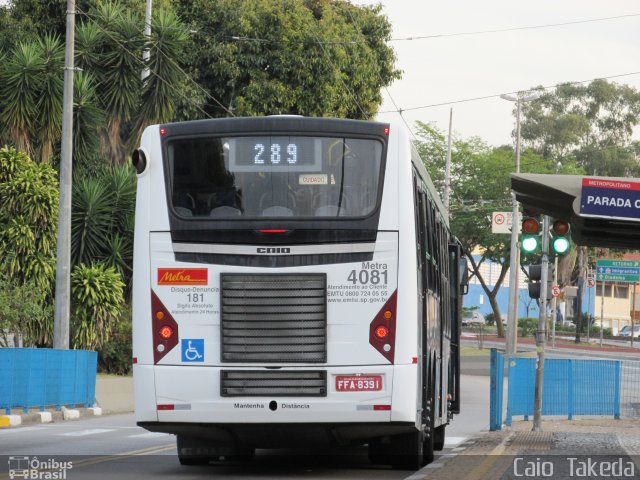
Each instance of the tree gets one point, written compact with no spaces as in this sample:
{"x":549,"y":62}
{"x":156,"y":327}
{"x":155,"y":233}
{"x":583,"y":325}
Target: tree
{"x":480,"y":185}
{"x":591,"y":124}
{"x":28,"y":227}
{"x":315,"y":58}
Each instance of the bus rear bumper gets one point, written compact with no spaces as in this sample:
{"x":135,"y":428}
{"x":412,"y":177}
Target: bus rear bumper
{"x":273,"y":435}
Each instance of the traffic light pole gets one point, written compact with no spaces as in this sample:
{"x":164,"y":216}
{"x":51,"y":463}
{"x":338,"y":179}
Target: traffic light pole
{"x":542,"y":321}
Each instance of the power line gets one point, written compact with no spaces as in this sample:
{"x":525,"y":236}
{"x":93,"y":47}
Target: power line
{"x":496,"y":95}
{"x":512,"y":29}
{"x":381,"y":82}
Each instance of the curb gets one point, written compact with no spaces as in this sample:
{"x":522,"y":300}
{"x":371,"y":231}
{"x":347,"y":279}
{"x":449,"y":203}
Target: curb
{"x":48,"y":416}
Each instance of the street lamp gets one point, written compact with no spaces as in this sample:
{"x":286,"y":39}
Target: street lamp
{"x":512,"y":318}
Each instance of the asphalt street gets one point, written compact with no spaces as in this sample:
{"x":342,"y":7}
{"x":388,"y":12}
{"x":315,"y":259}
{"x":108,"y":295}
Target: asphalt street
{"x":113,"y":446}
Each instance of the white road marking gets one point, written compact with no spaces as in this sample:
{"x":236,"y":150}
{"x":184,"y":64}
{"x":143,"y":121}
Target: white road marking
{"x":21,"y":430}
{"x":83,"y":433}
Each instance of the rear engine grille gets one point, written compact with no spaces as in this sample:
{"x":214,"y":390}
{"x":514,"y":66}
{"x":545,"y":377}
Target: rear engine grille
{"x":260,"y":383}
{"x":274,"y":318}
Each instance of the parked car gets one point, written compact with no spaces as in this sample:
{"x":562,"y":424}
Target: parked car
{"x":473,"y":318}
{"x":626,"y":331}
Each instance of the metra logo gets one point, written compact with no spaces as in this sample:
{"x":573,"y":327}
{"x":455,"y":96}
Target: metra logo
{"x":274,"y":250}
{"x":183,"y":276}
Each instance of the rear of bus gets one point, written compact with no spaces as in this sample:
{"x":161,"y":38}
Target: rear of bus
{"x":268,"y":305}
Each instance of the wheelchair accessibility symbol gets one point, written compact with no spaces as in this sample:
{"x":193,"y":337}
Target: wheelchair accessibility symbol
{"x":193,"y":350}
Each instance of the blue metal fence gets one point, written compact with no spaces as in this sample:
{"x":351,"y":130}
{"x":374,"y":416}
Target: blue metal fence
{"x":570,"y":387}
{"x":40,"y":378}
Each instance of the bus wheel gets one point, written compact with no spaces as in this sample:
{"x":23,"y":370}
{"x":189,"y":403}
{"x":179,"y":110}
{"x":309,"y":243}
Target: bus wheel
{"x":438,"y":439}
{"x":193,"y":451}
{"x":407,"y":451}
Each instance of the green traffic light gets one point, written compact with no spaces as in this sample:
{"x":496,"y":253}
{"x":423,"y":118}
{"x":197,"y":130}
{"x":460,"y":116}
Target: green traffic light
{"x":530,"y":243}
{"x":561,"y":245}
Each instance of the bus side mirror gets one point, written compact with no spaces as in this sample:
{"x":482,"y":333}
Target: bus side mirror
{"x":139,"y":160}
{"x":464,"y":275}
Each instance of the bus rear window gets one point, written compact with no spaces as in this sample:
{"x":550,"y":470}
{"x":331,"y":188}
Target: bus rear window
{"x":274,"y":176}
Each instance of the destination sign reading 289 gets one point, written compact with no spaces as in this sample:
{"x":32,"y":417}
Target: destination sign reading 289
{"x":259,"y":154}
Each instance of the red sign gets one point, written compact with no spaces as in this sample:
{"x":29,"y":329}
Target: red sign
{"x":358,"y":383}
{"x":183,"y":276}
{"x":555,"y":291}
{"x":591,"y":282}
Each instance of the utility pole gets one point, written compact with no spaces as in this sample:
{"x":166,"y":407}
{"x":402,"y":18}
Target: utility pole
{"x":63,"y":266}
{"x":581,"y":274}
{"x":542,"y":325}
{"x":146,"y":55}
{"x":447,"y":166}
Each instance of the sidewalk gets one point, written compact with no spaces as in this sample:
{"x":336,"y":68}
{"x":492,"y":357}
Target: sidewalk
{"x":564,"y":448}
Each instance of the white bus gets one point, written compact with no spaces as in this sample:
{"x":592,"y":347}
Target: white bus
{"x":295,"y":282}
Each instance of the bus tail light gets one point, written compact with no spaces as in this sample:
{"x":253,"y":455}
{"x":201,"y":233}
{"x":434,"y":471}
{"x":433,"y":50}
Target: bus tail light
{"x":382,"y":330}
{"x":164,"y":327}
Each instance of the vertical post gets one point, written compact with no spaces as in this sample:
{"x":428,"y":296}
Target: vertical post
{"x":63,"y":266}
{"x":616,"y":391}
{"x":495,"y":407}
{"x":602,"y":313}
{"x":514,"y":268}
{"x":570,"y":390}
{"x":589,"y":311}
{"x":554,"y":306}
{"x":633,"y":313}
{"x":147,"y":33}
{"x":540,"y":334}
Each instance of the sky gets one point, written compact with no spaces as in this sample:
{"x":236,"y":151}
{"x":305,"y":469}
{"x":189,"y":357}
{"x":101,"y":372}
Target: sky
{"x":453,"y":68}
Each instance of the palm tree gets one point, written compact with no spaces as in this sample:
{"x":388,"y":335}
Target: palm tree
{"x":21,"y":78}
{"x":49,"y":104}
{"x":159,"y":101}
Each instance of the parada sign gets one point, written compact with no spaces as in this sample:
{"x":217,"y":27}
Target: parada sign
{"x":610,"y":198}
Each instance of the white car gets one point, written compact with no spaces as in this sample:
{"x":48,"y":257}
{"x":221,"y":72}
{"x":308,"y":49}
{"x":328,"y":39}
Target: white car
{"x":473,"y":318}
{"x":626,"y":331}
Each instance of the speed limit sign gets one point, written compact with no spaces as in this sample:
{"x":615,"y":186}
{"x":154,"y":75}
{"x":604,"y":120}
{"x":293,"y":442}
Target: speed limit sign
{"x":555,"y":291}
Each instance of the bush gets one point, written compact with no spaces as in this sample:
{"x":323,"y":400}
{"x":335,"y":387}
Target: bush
{"x":490,"y":318}
{"x":115,"y":354}
{"x":96,"y":304}
{"x":527,"y":326}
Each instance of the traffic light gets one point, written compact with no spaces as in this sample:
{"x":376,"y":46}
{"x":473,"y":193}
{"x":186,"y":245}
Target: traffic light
{"x":560,"y":243}
{"x":535,"y":277}
{"x":530,"y":232}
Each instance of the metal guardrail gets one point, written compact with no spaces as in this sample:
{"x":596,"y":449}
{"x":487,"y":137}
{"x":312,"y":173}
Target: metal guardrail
{"x":41,"y":378}
{"x":570,"y":387}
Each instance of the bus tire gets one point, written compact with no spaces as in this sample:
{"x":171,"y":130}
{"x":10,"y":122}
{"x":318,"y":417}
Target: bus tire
{"x":438,"y":439}
{"x":407,"y":451}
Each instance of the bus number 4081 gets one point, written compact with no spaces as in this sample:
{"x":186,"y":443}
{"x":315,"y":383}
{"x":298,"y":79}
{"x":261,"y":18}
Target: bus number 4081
{"x":365,"y":277}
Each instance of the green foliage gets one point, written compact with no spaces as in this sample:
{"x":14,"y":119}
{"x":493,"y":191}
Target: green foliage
{"x":96,"y":304}
{"x":527,"y":326}
{"x":115,"y":354}
{"x":28,"y":219}
{"x":590,"y":125}
{"x":26,"y":312}
{"x":490,"y":318}
{"x":102,"y":219}
{"x":314,"y":58}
